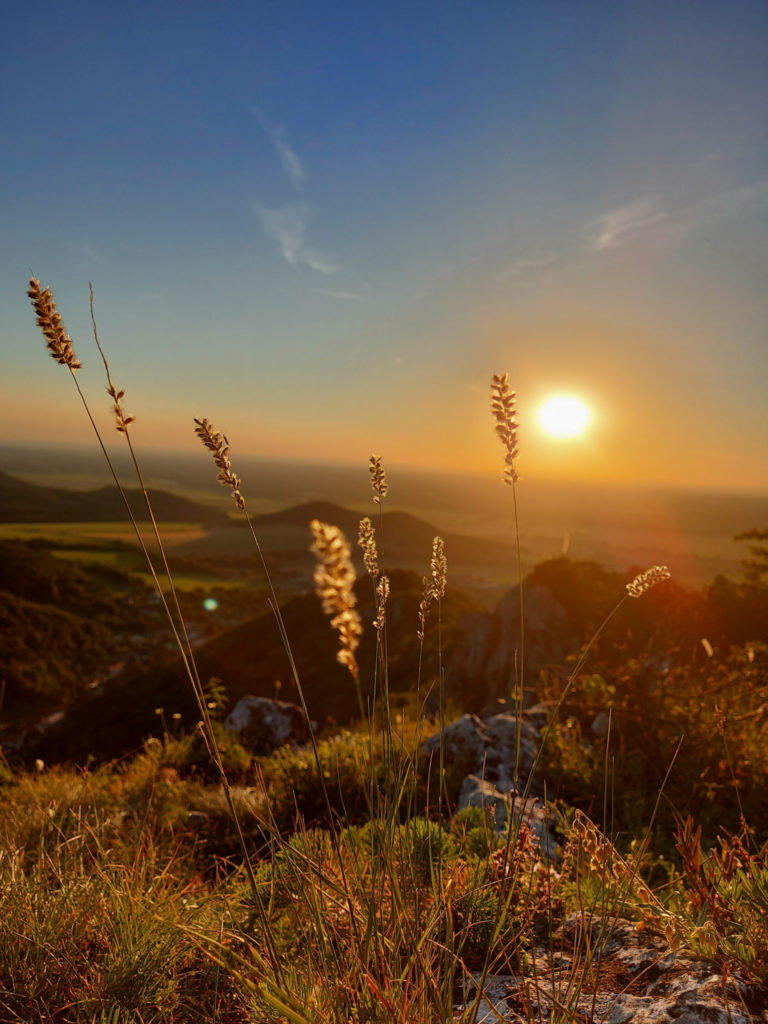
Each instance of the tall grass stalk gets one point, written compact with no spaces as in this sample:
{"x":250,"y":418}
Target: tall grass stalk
{"x":503,"y":408}
{"x":380,"y":488}
{"x":62,"y":350}
{"x":218,"y":445}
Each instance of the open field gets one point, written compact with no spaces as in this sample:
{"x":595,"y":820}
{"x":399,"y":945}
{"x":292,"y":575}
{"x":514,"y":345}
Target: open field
{"x":116,"y":547}
{"x":64,"y":533}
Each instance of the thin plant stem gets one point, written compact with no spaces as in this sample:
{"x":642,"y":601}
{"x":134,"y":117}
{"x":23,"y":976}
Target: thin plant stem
{"x":519,"y":670}
{"x":195,"y":686}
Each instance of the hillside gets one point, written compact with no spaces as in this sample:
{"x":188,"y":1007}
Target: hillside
{"x":404,"y":541}
{"x":250,"y":659}
{"x":400,"y":532}
{"x":60,"y":625}
{"x":23,"y":502}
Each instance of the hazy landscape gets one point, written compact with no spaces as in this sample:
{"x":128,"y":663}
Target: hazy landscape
{"x":97,"y":706}
{"x":619,"y":526}
{"x":384,"y":513}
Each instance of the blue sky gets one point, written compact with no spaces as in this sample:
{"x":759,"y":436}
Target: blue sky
{"x":324,"y":226}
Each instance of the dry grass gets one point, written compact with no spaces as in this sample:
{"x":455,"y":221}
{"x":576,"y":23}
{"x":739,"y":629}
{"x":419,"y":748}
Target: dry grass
{"x":50,"y":323}
{"x":503,"y":408}
{"x":378,"y":479}
{"x":642,"y":584}
{"x":217,"y":444}
{"x":334,"y":584}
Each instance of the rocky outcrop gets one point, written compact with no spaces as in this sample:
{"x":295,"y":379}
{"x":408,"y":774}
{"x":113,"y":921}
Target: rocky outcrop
{"x":479,"y":757}
{"x":488,"y":748}
{"x":532,"y":812}
{"x":487,"y":646}
{"x":611,"y":972}
{"x":265,"y":724}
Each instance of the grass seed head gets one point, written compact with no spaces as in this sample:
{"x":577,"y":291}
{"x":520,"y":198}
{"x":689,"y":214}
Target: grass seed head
{"x":503,"y":402}
{"x":434,"y":584}
{"x":426,"y":601}
{"x":382,"y":595}
{"x":334,"y":585}
{"x":217,"y":444}
{"x":640,"y":584}
{"x":378,"y":479}
{"x":50,"y":323}
{"x":121,"y":420}
{"x":366,"y":538}
{"x":439,"y":567}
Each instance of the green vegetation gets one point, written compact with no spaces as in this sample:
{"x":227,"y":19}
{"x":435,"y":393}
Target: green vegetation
{"x":128,"y":903}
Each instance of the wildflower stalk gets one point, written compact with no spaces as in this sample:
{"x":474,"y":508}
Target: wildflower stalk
{"x":380,"y":489}
{"x":122,"y":424}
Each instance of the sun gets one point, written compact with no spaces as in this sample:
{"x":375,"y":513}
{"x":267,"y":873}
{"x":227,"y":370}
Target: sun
{"x":563,"y":416}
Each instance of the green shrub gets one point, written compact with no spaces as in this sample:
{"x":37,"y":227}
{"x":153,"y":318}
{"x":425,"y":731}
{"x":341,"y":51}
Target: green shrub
{"x":294,"y":785}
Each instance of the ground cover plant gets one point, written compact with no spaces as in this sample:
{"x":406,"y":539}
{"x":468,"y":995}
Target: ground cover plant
{"x":338,"y":882}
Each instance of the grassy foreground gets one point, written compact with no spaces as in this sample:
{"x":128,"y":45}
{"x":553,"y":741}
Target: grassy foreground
{"x":124,"y":899}
{"x":339,"y":883}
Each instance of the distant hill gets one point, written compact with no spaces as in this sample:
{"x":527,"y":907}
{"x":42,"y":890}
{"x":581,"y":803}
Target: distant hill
{"x":404,"y":540}
{"x":302,"y":514}
{"x":22,"y":502}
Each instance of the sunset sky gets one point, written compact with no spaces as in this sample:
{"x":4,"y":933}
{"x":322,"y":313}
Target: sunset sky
{"x":324,"y":226}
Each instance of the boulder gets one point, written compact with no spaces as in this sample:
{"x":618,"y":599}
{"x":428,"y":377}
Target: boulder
{"x":487,"y":647}
{"x":477,"y":792}
{"x":610,"y":972}
{"x":264,"y":724}
{"x":487,"y":748}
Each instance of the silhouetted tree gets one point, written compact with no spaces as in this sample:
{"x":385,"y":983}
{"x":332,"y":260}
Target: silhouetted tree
{"x":756,"y":567}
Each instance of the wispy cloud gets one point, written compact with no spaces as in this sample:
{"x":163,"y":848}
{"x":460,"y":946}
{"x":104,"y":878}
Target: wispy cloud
{"x":624,"y":223}
{"x":648,"y":220}
{"x":291,"y":163}
{"x":524,"y":267}
{"x":732,"y":199}
{"x":287,"y":225}
{"x":334,"y":294}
